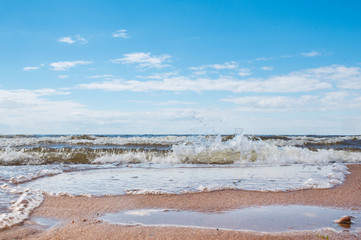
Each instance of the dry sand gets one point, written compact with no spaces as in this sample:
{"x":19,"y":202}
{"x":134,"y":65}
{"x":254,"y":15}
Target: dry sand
{"x":78,"y":214}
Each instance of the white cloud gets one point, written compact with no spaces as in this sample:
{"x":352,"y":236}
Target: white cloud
{"x":289,"y":83}
{"x":30,"y":112}
{"x":106,"y":76}
{"x":269,"y":103}
{"x":30,"y":68}
{"x":263,"y":59}
{"x":200,"y":73}
{"x":311,"y":54}
{"x":267,"y":68}
{"x":300,"y":81}
{"x":47,"y":91}
{"x":288,"y":56}
{"x":73,"y":39}
{"x":226,"y":65}
{"x":340,"y":100}
{"x":330,"y":101}
{"x":244,"y":72}
{"x":63,"y":76}
{"x":166,"y":103}
{"x":62,"y":66}
{"x":161,"y":75}
{"x":344,"y":77}
{"x":143,"y":60}
{"x":121,"y":34}
{"x":66,"y":40}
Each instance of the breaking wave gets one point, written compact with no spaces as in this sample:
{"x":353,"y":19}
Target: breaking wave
{"x":233,"y":149}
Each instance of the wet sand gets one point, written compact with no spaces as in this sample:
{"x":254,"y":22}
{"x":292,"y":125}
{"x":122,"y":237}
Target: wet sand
{"x":78,"y":215}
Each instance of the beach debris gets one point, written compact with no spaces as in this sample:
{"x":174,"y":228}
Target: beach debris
{"x":322,"y":236}
{"x":345,"y":220}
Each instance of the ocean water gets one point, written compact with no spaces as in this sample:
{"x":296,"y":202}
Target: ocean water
{"x":34,"y":165}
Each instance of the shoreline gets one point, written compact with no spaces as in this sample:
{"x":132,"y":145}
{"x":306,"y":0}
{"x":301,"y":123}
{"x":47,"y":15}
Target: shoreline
{"x":78,"y":214}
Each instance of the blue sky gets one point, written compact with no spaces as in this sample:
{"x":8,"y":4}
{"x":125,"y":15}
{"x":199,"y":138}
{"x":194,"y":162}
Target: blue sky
{"x":123,"y":67}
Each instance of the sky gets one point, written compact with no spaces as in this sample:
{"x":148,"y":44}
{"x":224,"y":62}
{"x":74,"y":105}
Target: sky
{"x":180,"y":67}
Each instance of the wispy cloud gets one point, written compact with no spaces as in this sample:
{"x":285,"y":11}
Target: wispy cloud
{"x":166,"y":103}
{"x":40,"y":112}
{"x":73,"y":39}
{"x":269,"y":103}
{"x":122,"y":33}
{"x":267,"y":68}
{"x":145,"y":60}
{"x":300,"y":81}
{"x":311,"y":54}
{"x":198,"y":73}
{"x":63,"y":76}
{"x":226,"y":65}
{"x":343,"y":77}
{"x":330,"y":101}
{"x":160,"y":75}
{"x":63,"y":66}
{"x":33,"y":67}
{"x":23,"y":97}
{"x":30,"y":68}
{"x":105,"y":76}
{"x":244,"y":72}
{"x":31,"y":112}
{"x":290,"y":83}
{"x":263,"y":59}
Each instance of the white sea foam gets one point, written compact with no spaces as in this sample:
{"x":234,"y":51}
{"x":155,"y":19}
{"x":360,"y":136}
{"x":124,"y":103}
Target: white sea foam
{"x":21,"y":208}
{"x":58,"y":194}
{"x":334,"y":177}
{"x":144,"y":192}
{"x":180,"y":178}
{"x":211,"y":188}
{"x":34,"y":175}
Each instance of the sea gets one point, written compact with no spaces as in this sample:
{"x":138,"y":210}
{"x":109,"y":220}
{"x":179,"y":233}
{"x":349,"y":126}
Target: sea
{"x":99,"y":165}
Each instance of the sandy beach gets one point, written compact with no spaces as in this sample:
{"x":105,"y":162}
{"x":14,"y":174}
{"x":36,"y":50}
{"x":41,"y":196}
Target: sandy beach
{"x":78,"y":215}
